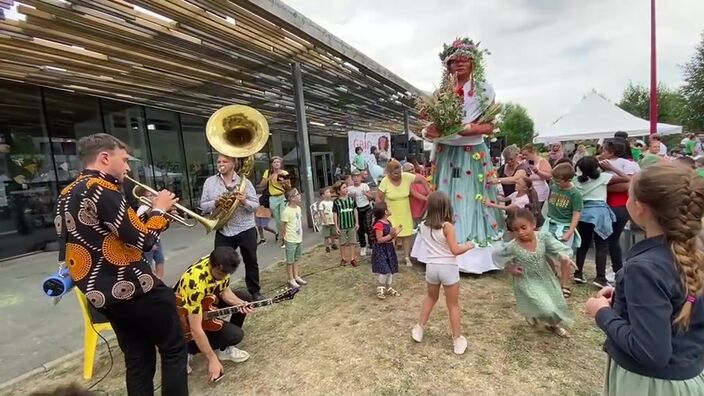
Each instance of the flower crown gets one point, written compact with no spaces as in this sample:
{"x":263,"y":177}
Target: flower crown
{"x":467,"y":48}
{"x":462,"y":48}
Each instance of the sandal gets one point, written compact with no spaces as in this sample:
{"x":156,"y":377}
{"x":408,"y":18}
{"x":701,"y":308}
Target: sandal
{"x":566,"y":292}
{"x":380,"y":292}
{"x":532,"y":322}
{"x":557,"y":330}
{"x":354,"y":263}
{"x":343,"y":263}
{"x":391,"y":292}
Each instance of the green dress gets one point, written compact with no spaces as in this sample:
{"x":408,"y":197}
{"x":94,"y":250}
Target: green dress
{"x":620,"y":381}
{"x":538,"y":294}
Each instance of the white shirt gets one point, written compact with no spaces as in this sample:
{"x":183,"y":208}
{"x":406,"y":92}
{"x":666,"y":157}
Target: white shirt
{"x":325,"y":207}
{"x":663,"y":149}
{"x":521,"y":201}
{"x":630,"y":168}
{"x":357,"y":192}
{"x":438,"y":251}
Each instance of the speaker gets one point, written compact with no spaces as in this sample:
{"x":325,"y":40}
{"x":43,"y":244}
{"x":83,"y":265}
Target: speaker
{"x":495,"y":148}
{"x":415,"y":147}
{"x":399,"y":146}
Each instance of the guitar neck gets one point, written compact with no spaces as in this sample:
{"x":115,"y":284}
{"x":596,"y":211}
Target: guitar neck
{"x":236,"y":308}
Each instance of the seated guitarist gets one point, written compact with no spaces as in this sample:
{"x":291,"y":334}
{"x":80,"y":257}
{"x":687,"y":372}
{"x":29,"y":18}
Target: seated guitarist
{"x":211,"y":276}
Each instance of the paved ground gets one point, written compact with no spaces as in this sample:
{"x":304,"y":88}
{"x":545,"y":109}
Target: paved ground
{"x":35,"y":332}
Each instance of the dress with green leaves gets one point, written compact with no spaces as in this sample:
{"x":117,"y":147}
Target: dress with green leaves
{"x":537,"y":291}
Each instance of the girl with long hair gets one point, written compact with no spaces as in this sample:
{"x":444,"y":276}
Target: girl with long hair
{"x":440,"y":237}
{"x":654,"y":317}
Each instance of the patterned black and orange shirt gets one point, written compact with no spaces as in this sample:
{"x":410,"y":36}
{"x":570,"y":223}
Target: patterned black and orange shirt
{"x":198,"y":282}
{"x":105,"y":240}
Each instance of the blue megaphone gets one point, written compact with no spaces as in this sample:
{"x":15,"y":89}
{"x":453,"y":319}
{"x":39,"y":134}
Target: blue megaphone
{"x":58,"y":284}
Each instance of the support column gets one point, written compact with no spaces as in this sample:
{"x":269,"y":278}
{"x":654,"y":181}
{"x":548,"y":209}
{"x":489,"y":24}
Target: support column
{"x":303,"y":141}
{"x":407,"y":123}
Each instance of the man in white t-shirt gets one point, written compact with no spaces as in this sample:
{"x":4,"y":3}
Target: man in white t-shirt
{"x":362,"y":196}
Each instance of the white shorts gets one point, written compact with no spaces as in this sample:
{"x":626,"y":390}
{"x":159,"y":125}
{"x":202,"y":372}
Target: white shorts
{"x":442,"y":274}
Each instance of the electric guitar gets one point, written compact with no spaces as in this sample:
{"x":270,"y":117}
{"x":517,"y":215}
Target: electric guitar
{"x":212,"y":314}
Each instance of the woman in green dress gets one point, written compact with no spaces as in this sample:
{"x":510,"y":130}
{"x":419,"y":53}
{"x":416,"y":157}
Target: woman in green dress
{"x":537,"y":290}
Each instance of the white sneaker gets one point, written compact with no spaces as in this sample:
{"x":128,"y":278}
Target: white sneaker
{"x":233,"y":354}
{"x":363,"y":252}
{"x":408,"y":262}
{"x":293,"y":284}
{"x":460,"y":344}
{"x":300,"y":281}
{"x":417,"y":333}
{"x":189,"y":370}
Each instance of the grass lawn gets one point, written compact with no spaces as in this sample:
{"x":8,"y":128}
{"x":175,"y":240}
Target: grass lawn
{"x":336,"y":337}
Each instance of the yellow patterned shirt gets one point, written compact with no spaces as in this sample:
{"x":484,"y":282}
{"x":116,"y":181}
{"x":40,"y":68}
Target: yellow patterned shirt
{"x":196,"y":283}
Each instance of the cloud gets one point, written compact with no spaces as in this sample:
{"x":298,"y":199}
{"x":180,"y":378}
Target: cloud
{"x":546,"y":54}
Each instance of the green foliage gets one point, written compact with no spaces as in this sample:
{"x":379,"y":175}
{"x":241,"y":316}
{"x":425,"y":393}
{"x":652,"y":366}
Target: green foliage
{"x":516,"y":125}
{"x":671,"y":103}
{"x":693,"y":90}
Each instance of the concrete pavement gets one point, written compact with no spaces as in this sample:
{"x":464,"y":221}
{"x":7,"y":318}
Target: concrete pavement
{"x":35,"y":332}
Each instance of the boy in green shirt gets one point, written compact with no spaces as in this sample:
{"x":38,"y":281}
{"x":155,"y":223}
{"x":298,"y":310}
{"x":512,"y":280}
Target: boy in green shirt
{"x":564,"y":211}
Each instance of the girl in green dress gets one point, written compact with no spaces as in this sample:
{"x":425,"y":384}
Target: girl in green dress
{"x":537,"y":290}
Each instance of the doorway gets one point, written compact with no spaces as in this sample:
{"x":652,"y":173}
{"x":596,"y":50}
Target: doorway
{"x":322,"y":167}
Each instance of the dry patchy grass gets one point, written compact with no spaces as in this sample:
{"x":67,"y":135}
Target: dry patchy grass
{"x":337,"y":338}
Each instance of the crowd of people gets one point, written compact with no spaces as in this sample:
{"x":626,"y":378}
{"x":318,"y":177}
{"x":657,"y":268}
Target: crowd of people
{"x":536,"y":217}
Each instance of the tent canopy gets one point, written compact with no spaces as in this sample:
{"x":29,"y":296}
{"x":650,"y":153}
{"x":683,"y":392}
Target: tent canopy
{"x":596,"y":118}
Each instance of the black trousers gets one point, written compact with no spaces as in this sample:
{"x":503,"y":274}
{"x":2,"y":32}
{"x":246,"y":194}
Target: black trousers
{"x":586,"y":231}
{"x":364,"y":226}
{"x":231,"y":333}
{"x":247,"y":242}
{"x":142,"y":323}
{"x":614,"y":239}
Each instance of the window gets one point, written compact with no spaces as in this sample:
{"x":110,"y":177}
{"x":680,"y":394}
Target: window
{"x":69,"y":117}
{"x":170,"y":170}
{"x":28,"y":186}
{"x":126,"y":122}
{"x":198,"y":159}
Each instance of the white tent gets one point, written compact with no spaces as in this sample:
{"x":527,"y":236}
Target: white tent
{"x":597,"y":118}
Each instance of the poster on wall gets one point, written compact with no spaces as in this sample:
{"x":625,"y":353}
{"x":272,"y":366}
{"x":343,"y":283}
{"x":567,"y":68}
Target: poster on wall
{"x":367,"y":140}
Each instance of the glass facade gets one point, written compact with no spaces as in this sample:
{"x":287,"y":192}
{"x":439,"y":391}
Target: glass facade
{"x":39,"y":130}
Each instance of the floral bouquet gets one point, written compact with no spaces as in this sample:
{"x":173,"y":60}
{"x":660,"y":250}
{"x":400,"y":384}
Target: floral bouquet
{"x":443,"y":109}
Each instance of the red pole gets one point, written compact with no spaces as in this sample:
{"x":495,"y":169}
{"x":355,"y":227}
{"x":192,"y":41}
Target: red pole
{"x":653,"y":73}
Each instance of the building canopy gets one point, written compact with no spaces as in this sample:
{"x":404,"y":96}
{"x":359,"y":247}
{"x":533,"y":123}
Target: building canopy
{"x":194,"y":56}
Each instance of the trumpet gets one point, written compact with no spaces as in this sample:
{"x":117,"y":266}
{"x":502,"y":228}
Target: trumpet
{"x":209,"y":224}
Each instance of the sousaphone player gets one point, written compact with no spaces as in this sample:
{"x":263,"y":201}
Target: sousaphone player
{"x":236,"y":132}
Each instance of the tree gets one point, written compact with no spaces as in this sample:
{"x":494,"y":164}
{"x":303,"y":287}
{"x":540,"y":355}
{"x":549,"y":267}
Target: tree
{"x":516,"y":125}
{"x":693,"y":90}
{"x":671,"y":103}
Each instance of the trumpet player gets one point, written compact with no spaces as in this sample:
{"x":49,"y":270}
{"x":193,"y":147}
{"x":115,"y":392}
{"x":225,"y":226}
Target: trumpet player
{"x":103,"y":245}
{"x":240,"y":231}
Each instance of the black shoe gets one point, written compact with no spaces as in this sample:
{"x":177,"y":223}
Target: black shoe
{"x":600,"y":282}
{"x":579,"y":277}
{"x":334,"y":247}
{"x":261,"y":242}
{"x":327,"y":249}
{"x":258,"y":296}
{"x":276,"y":237}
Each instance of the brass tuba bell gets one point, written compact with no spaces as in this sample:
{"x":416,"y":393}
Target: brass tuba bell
{"x":240,"y":132}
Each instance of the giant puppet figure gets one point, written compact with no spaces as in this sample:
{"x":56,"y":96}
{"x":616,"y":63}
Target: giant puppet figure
{"x":461,"y":157}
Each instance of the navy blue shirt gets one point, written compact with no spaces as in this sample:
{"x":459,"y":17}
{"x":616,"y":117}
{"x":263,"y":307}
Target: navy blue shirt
{"x":640,"y":334}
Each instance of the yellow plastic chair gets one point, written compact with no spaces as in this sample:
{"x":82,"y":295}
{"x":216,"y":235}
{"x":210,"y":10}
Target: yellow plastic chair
{"x":90,"y":334}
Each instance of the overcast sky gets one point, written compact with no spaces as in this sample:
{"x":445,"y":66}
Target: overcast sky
{"x":545,"y":53}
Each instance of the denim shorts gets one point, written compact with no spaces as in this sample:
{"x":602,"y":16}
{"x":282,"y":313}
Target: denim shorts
{"x":155,"y":256}
{"x":293,"y":252}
